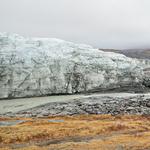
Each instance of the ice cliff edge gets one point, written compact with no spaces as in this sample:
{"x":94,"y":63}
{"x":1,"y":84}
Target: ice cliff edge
{"x":42,"y":66}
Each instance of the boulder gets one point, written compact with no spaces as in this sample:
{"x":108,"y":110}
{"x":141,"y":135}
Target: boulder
{"x":42,"y":66}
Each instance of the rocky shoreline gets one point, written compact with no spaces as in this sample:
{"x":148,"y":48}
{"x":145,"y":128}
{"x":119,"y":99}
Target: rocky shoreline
{"x":91,"y":105}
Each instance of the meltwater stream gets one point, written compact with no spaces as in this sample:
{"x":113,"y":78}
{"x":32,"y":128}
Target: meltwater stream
{"x":15,"y":105}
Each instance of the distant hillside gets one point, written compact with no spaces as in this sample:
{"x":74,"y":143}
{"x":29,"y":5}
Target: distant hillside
{"x":135,"y":53}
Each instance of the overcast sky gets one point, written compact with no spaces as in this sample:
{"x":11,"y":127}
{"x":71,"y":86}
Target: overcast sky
{"x":110,"y":24}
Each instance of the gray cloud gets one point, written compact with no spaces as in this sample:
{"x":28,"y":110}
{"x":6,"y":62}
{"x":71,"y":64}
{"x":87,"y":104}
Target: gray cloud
{"x":116,"y":24}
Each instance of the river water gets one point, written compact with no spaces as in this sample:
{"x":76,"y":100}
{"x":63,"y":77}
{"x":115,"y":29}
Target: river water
{"x":15,"y":105}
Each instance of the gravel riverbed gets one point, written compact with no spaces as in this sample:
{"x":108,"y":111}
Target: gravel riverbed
{"x":137,"y":104}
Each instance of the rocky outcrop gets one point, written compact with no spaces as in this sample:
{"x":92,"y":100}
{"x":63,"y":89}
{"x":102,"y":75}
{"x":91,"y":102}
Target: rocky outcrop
{"x":35,"y":67}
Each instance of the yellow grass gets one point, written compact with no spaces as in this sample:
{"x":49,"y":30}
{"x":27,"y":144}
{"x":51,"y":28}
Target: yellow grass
{"x":81,"y":125}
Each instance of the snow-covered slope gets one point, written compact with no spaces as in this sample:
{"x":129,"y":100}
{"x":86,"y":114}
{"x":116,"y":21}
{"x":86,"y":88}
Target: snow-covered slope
{"x":41,"y":66}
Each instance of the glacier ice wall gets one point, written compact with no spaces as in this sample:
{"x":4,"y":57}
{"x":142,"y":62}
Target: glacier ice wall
{"x":42,"y":66}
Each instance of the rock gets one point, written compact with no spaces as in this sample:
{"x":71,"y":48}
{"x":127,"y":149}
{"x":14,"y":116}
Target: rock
{"x":65,"y":113}
{"x":130,"y":108}
{"x":134,"y":100}
{"x":88,"y":110}
{"x":148,"y":104}
{"x":9,"y":111}
{"x":36,"y":66}
{"x":79,"y":112}
{"x":122,"y":109}
{"x":53,"y":112}
{"x":45,"y":114}
{"x":112,"y":102}
{"x":92,"y":112}
{"x":33,"y":115}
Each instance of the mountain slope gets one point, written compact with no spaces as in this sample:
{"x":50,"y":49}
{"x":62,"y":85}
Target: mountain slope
{"x":140,"y":54}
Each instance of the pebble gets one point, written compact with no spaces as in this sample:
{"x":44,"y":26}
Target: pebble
{"x":148,"y":104}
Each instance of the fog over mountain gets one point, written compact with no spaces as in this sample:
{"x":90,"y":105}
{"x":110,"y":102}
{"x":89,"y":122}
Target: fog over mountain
{"x":117,"y":24}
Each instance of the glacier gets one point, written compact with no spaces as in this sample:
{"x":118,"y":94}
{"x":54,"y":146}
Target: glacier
{"x":45,"y":66}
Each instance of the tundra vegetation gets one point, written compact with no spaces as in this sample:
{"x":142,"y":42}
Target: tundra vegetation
{"x":81,"y":131}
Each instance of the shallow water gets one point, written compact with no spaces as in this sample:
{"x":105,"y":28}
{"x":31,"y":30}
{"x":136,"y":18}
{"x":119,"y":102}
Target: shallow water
{"x":15,"y":105}
{"x":12,"y":122}
{"x":9,"y":122}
